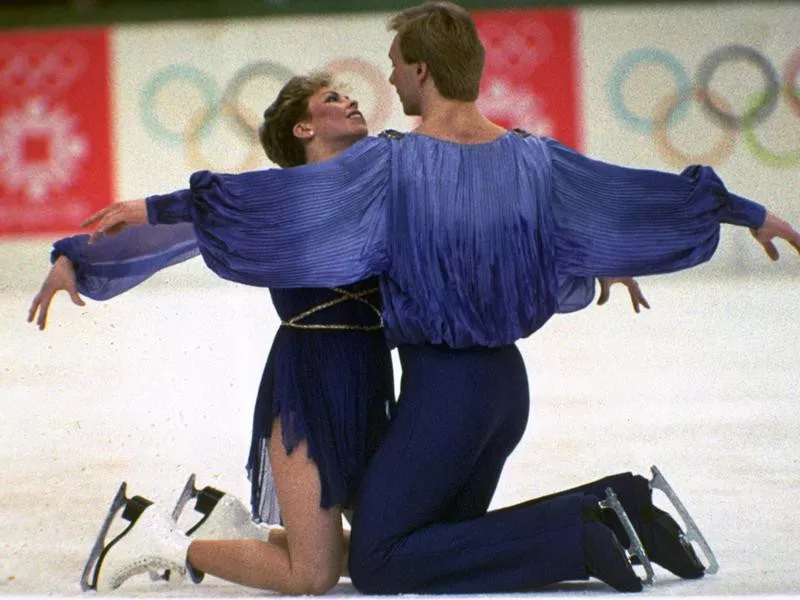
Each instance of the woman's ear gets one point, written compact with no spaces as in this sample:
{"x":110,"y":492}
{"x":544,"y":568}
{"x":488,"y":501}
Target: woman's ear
{"x":303,"y":130}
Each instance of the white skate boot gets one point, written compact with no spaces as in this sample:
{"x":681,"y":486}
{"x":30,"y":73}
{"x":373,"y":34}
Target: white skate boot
{"x":151,"y":542}
{"x":225,"y":517}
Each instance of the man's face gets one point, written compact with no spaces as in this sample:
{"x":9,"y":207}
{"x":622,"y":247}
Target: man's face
{"x":405,"y":80}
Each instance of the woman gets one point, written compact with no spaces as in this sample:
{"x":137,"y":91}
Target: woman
{"x":327,"y":389}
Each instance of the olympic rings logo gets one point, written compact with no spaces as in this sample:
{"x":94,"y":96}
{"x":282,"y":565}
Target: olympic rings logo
{"x":40,"y":68}
{"x":230,"y":106}
{"x":675,"y":105}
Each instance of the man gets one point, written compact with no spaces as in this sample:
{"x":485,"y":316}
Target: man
{"x":480,"y":235}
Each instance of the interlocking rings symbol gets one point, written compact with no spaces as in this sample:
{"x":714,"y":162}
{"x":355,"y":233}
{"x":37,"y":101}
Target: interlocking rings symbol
{"x":674,"y":106}
{"x":38,"y":68}
{"x":235,"y":107}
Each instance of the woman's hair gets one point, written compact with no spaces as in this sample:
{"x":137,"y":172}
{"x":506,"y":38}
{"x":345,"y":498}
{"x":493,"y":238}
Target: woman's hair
{"x":444,"y":37}
{"x":288,"y":109}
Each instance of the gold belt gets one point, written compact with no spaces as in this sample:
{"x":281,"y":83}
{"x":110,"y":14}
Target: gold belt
{"x":343,"y":296}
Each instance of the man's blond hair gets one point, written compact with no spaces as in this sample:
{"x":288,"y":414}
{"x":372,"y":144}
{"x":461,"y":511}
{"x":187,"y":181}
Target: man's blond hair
{"x":288,"y":109}
{"x":444,"y":37}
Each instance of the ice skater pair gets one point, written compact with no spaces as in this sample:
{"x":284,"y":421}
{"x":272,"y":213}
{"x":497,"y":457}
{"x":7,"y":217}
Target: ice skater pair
{"x":153,"y":542}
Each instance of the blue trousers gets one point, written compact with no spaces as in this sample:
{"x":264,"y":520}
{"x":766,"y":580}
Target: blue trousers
{"x":421,"y":523}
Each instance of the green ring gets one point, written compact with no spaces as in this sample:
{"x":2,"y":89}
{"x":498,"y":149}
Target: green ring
{"x":787,"y":160}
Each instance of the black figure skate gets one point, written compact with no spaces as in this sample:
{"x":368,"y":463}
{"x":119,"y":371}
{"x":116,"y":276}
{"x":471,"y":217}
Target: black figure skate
{"x":694,"y":568}
{"x":635,"y":550}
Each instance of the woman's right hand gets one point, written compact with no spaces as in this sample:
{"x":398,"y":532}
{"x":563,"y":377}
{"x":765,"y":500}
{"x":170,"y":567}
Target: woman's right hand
{"x":60,"y":277}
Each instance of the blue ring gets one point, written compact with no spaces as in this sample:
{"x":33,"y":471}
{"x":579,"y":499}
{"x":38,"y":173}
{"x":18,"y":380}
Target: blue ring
{"x":200,"y":79}
{"x":622,"y":70}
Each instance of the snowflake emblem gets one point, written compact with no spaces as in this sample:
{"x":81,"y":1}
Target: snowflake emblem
{"x":511,"y":107}
{"x":39,"y":149}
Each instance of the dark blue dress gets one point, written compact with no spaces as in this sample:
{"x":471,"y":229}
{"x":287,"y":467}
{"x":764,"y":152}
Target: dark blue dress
{"x":329,"y":380}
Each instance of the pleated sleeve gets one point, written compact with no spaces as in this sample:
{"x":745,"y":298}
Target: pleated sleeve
{"x":316,"y":225}
{"x":618,"y":221}
{"x":114,"y":264}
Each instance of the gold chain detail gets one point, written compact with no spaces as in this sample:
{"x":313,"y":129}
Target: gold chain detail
{"x":344,"y":295}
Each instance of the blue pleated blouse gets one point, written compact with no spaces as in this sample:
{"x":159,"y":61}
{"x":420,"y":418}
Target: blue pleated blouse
{"x":476,"y":245}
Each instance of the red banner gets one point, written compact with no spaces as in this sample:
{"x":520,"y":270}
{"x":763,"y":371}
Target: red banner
{"x":531,"y":79}
{"x":55,"y":128}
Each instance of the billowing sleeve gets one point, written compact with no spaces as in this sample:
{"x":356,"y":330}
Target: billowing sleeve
{"x":115,"y":264}
{"x":574,"y":293}
{"x":618,"y":221}
{"x":315,"y":225}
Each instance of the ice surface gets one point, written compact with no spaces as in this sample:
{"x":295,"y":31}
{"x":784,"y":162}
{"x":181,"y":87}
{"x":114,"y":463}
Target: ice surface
{"x":158,"y":384}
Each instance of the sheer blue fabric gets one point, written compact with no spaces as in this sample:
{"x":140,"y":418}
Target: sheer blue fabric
{"x":476,"y":245}
{"x":113,"y":265}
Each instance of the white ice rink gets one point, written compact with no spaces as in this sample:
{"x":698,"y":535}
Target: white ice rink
{"x":160,"y":383}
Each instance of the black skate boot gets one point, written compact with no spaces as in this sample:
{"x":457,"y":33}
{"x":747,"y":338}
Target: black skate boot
{"x":663,"y":539}
{"x":604,"y":556}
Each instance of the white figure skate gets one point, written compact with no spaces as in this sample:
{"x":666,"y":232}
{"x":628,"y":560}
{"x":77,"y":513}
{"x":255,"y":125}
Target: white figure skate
{"x":150,"y":542}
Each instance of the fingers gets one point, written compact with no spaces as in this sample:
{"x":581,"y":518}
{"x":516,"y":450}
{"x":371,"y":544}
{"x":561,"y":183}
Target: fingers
{"x":34,"y":307}
{"x":106,"y":219}
{"x":794,"y":240}
{"x":43,"y":309}
{"x":105,"y":223}
{"x":638,"y":300}
{"x":76,"y":299}
{"x":770,"y":249}
{"x":96,"y":216}
{"x":635,"y":295}
{"x":604,"y":292}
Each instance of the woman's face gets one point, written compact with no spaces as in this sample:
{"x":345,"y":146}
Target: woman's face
{"x":335,"y":116}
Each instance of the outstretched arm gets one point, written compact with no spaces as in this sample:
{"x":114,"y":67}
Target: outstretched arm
{"x":112,"y":265}
{"x":617,"y":221}
{"x":316,"y":225}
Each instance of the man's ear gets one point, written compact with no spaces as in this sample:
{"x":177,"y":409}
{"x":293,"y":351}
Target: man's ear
{"x":422,"y":71}
{"x":303,"y":130}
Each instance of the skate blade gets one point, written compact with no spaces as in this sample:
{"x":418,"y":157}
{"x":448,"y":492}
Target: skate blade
{"x":131,"y":509}
{"x":636,"y":548}
{"x":692,"y":533}
{"x":189,"y":492}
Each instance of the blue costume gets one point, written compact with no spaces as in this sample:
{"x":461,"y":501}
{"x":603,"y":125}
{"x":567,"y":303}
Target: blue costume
{"x":329,"y":371}
{"x":476,"y":247}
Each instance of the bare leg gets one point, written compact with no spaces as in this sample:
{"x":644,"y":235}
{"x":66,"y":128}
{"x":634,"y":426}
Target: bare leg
{"x":277,"y":536}
{"x":310,"y":560}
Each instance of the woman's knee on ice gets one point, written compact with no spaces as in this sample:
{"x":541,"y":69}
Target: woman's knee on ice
{"x":313,"y":580}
